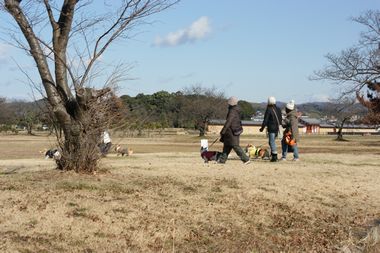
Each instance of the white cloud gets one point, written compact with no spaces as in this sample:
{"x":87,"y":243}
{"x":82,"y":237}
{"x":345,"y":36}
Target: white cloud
{"x":198,"y":30}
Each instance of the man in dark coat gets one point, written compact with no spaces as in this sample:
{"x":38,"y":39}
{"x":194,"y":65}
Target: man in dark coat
{"x":272,"y":120}
{"x":230,"y":134}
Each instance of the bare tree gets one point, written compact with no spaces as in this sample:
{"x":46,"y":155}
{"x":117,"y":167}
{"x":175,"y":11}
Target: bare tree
{"x":65,"y":48}
{"x":203,"y":104}
{"x":357,"y":69}
{"x":26,"y":114}
{"x":344,"y":111}
{"x":5,"y":112}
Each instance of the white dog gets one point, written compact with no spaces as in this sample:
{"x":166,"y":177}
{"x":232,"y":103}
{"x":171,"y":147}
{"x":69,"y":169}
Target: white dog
{"x":52,"y":154}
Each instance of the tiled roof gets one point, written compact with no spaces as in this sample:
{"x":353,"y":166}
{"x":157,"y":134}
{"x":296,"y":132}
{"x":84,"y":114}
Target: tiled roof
{"x":310,"y":121}
{"x":301,"y":124}
{"x":244,"y":122}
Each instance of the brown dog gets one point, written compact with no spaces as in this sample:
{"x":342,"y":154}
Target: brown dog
{"x":255,"y":153}
{"x":123,"y":151}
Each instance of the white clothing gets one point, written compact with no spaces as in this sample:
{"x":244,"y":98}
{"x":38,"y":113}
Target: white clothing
{"x":106,"y":137}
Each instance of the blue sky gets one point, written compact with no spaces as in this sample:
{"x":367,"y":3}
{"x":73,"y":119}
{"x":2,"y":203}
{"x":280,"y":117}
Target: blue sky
{"x":246,"y":48}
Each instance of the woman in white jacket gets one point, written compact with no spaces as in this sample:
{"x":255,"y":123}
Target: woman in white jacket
{"x":106,"y":144}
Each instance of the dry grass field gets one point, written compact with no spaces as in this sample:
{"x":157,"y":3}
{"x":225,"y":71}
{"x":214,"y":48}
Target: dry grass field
{"x":163,"y":198}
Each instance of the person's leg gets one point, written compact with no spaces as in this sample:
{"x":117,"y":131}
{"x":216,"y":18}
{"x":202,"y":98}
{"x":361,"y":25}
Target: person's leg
{"x":102,"y":147}
{"x":284,"y":149}
{"x":295,"y":152}
{"x":107,"y":147}
{"x":273,"y":147}
{"x":226,"y":152}
{"x":240,"y":152}
{"x":272,"y":143}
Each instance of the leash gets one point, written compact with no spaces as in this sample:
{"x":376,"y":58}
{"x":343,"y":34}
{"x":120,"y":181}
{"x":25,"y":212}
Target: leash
{"x":213,"y":142}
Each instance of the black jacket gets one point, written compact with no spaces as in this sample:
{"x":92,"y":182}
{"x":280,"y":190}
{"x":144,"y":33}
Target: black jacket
{"x":270,"y":120}
{"x":232,"y":122}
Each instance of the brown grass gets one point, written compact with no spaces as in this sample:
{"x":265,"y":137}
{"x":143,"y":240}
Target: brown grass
{"x":163,"y":198}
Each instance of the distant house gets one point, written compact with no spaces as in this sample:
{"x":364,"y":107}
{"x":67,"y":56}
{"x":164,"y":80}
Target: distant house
{"x":315,"y":126}
{"x":305,"y":126}
{"x":356,"y":129}
{"x":310,"y":125}
{"x":250,"y":127}
{"x":326,"y":128}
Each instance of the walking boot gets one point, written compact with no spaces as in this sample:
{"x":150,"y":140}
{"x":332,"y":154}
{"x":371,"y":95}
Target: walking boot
{"x":274,"y":158}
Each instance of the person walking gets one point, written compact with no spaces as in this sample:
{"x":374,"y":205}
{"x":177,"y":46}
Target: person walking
{"x":106,"y":143}
{"x":291,"y":129}
{"x":230,"y":133}
{"x":272,"y":120}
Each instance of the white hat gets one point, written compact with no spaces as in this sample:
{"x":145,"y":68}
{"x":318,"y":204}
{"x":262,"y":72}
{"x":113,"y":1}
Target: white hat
{"x":233,"y":101}
{"x":290,"y":105}
{"x":271,"y":101}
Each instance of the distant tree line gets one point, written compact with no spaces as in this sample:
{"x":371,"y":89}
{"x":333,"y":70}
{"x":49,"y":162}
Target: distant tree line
{"x":17,"y":114}
{"x":191,"y":108}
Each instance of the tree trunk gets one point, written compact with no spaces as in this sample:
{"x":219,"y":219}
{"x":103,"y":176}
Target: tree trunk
{"x":201,"y":131}
{"x":29,"y":128}
{"x":340,"y":134}
{"x":340,"y":131}
{"x":80,"y":151}
{"x":201,"y":128}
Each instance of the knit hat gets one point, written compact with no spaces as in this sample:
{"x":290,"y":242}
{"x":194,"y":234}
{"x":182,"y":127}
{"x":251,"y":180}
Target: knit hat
{"x":271,"y":101}
{"x":290,"y":105}
{"x":233,"y":101}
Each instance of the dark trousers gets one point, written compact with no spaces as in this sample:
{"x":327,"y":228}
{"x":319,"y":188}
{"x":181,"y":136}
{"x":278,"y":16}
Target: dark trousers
{"x":238,"y":150}
{"x":105,"y":147}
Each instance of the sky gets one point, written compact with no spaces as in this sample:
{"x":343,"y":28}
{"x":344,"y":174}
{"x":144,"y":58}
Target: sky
{"x":251,"y":49}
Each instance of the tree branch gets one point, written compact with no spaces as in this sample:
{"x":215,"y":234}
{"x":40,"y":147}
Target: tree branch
{"x":50,"y":14}
{"x":13,"y":8}
{"x":60,"y":40}
{"x":138,"y":10}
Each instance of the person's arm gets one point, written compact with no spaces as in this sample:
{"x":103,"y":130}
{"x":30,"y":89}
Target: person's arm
{"x":228,"y":123}
{"x":265,"y":121}
{"x":294,"y":127}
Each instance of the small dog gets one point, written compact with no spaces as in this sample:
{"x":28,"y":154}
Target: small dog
{"x":123,"y":151}
{"x":51,"y":153}
{"x":255,"y":153}
{"x":208,"y":156}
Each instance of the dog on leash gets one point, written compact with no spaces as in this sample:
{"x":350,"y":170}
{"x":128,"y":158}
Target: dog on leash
{"x":257,"y":152}
{"x":123,"y":151}
{"x":208,"y":156}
